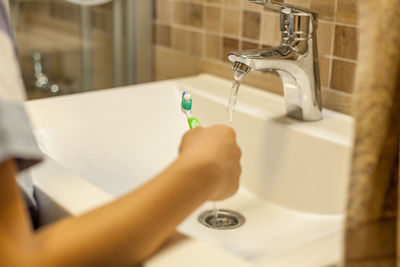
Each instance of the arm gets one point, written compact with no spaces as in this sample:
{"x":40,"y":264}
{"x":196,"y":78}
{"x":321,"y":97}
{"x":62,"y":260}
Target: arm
{"x":132,"y":228}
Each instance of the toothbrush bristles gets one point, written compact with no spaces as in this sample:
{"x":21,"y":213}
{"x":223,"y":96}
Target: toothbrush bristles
{"x":186,"y":96}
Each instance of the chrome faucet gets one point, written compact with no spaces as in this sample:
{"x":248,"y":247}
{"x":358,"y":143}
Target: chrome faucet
{"x":295,"y":60}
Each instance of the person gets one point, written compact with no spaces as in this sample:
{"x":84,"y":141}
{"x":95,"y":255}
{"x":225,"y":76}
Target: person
{"x":121,"y":233}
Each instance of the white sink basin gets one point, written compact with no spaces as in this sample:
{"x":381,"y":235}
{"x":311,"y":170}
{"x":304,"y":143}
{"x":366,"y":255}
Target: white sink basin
{"x":294,"y":180}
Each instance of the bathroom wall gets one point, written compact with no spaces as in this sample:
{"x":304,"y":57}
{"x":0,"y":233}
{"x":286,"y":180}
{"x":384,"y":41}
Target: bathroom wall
{"x":194,"y":36}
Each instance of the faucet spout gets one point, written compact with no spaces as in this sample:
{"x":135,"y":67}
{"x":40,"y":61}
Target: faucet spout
{"x":296,"y":62}
{"x":264,"y":59}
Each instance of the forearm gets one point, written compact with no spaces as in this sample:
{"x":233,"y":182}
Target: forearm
{"x":128,"y":230}
{"x":131,"y":228}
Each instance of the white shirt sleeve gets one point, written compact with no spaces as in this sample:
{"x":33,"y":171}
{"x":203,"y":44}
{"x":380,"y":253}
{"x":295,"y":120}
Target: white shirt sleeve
{"x":16,"y":137}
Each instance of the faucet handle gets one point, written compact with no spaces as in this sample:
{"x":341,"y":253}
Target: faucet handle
{"x":297,"y":24}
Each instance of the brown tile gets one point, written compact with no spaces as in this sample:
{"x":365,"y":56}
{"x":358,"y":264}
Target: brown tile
{"x":178,"y":39}
{"x":270,"y":32}
{"x":213,"y":46}
{"x":163,"y":35}
{"x":343,"y":76}
{"x":324,"y":8}
{"x":194,"y":15}
{"x":324,"y":66}
{"x":188,"y":14}
{"x":251,"y":24}
{"x":347,"y":11}
{"x":231,"y":21}
{"x":162,"y":10}
{"x":212,"y":21}
{"x":324,"y":38}
{"x":233,"y":3}
{"x":187,"y":41}
{"x":194,"y":43}
{"x":338,"y":101}
{"x":173,"y":64}
{"x":346,"y":42}
{"x":251,"y":6}
{"x":249,"y":45}
{"x":179,"y":12}
{"x":194,"y":1}
{"x":229,"y":45}
{"x":214,"y":1}
{"x":299,"y":3}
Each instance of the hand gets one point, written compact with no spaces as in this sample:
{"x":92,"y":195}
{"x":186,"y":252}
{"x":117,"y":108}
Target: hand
{"x":215,"y":151}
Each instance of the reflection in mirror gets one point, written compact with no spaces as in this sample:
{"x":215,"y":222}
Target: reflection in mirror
{"x":65,"y":47}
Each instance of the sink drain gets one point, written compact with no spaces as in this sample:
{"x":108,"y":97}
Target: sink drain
{"x":222,"y":219}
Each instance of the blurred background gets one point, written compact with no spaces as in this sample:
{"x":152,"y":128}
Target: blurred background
{"x":72,"y":46}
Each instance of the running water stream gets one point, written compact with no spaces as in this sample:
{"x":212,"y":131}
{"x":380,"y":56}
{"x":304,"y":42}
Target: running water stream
{"x":237,"y":80}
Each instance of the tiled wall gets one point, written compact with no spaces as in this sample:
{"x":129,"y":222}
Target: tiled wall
{"x":202,"y":32}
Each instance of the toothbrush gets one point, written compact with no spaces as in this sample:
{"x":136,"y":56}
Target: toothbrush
{"x":186,"y":107}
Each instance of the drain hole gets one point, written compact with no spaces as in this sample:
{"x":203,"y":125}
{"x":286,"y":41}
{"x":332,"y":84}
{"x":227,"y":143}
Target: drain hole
{"x":222,"y":219}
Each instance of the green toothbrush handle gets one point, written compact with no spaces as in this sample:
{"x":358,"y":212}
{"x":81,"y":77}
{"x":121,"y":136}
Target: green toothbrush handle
{"x":193,"y":122}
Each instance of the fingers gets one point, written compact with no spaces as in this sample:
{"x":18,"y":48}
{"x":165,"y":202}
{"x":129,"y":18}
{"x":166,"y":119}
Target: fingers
{"x":225,"y":129}
{"x":217,"y":146}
